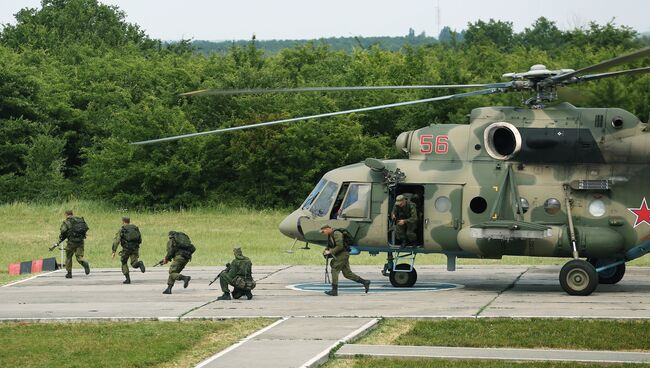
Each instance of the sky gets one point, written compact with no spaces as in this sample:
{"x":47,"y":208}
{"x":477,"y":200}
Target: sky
{"x":308,"y":19}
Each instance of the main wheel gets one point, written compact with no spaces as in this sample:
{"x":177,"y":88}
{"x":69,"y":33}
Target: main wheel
{"x":578,"y":277}
{"x":611,"y":275}
{"x":403,"y":278}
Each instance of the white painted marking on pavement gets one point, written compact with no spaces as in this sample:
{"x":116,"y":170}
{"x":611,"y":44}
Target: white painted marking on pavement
{"x":235,"y":346}
{"x":31,"y":278}
{"x":347,"y":338}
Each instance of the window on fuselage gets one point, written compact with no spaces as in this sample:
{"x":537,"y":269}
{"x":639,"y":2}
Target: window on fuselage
{"x":357,"y":202}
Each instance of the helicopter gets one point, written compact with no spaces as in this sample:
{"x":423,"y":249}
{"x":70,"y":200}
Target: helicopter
{"x":541,"y":180}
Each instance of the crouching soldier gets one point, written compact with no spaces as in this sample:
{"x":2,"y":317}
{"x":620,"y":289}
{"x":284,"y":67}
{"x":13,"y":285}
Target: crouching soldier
{"x":179,"y":251}
{"x":238,"y":275}
{"x":129,"y":238}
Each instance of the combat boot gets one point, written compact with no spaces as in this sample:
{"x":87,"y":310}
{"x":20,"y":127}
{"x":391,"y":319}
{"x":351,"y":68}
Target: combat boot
{"x":186,"y":281}
{"x":334,"y":291}
{"x":366,"y":285}
{"x":68,"y":275}
{"x":237,"y":293}
{"x":128,"y":279}
{"x":168,"y":290}
{"x":141,"y":266}
{"x":225,"y":296}
{"x":86,"y":267}
{"x":249,"y":295}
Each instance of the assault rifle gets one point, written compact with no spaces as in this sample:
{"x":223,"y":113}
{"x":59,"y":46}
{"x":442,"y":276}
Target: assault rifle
{"x":55,"y":245}
{"x":220,"y":273}
{"x":160,"y":263}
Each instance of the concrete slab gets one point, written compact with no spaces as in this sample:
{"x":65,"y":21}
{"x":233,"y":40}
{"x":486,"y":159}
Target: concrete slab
{"x":445,"y":352}
{"x":487,"y":291}
{"x":293,"y":342}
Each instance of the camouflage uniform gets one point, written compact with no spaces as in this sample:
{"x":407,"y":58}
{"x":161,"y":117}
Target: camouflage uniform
{"x":130,"y":251}
{"x":241,"y":266}
{"x":341,"y":260}
{"x":72,"y":247}
{"x":405,"y":234}
{"x":180,"y":259}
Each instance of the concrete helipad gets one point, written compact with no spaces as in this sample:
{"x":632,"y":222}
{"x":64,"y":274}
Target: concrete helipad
{"x":479,"y":291}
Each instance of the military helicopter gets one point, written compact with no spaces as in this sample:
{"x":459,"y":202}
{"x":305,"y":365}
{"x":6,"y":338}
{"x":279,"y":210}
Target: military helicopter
{"x":542,"y":180}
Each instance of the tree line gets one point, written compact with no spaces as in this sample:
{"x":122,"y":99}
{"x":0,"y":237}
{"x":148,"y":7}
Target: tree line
{"x":78,"y":83}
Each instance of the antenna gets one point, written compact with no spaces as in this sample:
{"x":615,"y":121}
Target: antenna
{"x":438,"y":17}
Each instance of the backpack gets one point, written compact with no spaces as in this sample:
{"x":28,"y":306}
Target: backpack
{"x":245,"y":282}
{"x":131,"y":237}
{"x":347,"y":238}
{"x":183,"y":242}
{"x":78,"y":229}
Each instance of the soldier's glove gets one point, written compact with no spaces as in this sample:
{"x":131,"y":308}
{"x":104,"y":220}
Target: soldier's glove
{"x":53,"y":246}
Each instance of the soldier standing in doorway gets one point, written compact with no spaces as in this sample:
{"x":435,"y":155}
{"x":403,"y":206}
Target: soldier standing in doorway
{"x":405,"y":215}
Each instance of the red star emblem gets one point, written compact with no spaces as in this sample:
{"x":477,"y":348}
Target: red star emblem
{"x":642,"y":213}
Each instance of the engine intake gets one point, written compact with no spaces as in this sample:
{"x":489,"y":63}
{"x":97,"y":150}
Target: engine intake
{"x":502,"y":141}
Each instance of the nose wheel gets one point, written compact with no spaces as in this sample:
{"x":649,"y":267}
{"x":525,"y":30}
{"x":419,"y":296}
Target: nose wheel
{"x":578,"y":277}
{"x":403,"y":275}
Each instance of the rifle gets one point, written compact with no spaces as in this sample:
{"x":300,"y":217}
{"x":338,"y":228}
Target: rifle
{"x":327,"y":273}
{"x":54,"y":246}
{"x":219,"y":275}
{"x":160,"y":263}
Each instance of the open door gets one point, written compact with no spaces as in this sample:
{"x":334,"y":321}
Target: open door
{"x":415,"y":194}
{"x":442,"y":216}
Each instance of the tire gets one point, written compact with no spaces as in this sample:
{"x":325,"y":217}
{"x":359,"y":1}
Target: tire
{"x":403,"y":279}
{"x":610,"y":276}
{"x":578,"y":277}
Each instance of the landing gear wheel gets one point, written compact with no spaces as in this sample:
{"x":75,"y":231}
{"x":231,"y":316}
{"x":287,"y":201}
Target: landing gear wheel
{"x":609,"y":276}
{"x":403,"y":279}
{"x":578,"y":277}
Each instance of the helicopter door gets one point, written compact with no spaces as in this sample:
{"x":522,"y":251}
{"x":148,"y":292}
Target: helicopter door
{"x":442,"y":216}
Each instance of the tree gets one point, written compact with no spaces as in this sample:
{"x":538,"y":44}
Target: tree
{"x":496,"y":32}
{"x":543,"y":35}
{"x":60,"y":23}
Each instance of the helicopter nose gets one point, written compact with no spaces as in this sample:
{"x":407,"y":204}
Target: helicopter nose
{"x":289,"y":226}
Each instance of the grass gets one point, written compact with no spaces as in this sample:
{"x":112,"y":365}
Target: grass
{"x":119,"y":344}
{"x":498,"y":333}
{"x":28,"y":229}
{"x":532,"y":333}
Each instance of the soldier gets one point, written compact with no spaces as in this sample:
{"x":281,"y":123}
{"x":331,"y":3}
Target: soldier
{"x":238,"y":275}
{"x":338,"y":250}
{"x":74,"y":229}
{"x":130,"y":238}
{"x":405,"y":215}
{"x":180,"y":250}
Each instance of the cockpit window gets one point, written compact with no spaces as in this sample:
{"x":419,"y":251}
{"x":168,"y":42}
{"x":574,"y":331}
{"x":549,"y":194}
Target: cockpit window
{"x":313,"y":194}
{"x":325,"y":199}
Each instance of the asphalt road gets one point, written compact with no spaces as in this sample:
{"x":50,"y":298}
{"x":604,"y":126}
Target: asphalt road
{"x":471,"y":291}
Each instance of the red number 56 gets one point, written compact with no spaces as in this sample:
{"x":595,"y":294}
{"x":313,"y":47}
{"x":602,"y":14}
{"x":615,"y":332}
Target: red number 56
{"x":441,"y":147}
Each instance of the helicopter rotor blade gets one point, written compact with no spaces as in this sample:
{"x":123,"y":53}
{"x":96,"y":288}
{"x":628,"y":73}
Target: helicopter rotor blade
{"x":604,"y":65}
{"x":206,"y":92}
{"x":318,"y":116}
{"x":591,"y":77}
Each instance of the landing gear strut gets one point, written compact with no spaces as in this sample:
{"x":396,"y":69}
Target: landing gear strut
{"x":611,"y":275}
